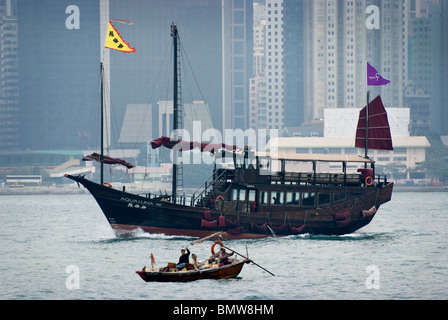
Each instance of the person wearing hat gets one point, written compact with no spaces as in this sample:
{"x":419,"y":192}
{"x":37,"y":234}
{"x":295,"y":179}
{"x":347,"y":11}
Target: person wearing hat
{"x":224,"y":257}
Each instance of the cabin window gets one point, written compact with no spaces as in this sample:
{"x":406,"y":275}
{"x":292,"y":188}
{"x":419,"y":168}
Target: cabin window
{"x":324,"y":198}
{"x":263,"y":197}
{"x":234,"y":194}
{"x":292,"y":198}
{"x":242,"y":194}
{"x":276,"y":197}
{"x":339,"y":197}
{"x":251,"y":195}
{"x":308,"y":198}
{"x":238,"y":194}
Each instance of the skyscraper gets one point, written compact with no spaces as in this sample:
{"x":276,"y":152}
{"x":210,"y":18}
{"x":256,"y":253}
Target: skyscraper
{"x":274,"y":64}
{"x":338,"y":54}
{"x":59,"y":58}
{"x":282,"y":90}
{"x":9,"y":88}
{"x":237,"y":65}
{"x":215,"y":35}
{"x":427,"y":78}
{"x":61,"y":48}
{"x":387,"y":49}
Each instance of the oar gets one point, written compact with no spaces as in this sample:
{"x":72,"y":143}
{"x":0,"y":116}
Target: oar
{"x":206,"y":238}
{"x":250,"y":260}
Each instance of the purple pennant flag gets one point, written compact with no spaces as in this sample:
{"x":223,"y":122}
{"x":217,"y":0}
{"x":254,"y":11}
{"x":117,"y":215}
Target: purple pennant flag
{"x":373,"y":78}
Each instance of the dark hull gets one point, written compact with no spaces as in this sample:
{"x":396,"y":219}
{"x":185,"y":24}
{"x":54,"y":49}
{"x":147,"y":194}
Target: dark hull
{"x":225,"y":272}
{"x":126,"y":211}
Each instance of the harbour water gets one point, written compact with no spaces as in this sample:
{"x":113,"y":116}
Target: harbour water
{"x":61,"y":247}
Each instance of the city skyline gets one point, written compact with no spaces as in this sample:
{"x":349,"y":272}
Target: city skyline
{"x":313,"y":54}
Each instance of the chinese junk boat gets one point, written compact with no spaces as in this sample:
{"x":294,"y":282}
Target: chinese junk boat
{"x":255,"y":196}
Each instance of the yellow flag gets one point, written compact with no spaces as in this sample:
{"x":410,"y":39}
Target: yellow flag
{"x":115,"y":41}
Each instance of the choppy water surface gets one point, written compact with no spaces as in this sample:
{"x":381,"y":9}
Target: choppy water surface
{"x":47,"y":240}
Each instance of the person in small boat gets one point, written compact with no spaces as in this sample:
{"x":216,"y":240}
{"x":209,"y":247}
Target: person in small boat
{"x":184,"y":259}
{"x":223,"y":257}
{"x":196,"y":264}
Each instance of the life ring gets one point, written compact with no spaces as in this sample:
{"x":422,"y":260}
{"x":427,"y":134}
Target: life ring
{"x":369,"y":181}
{"x":107,"y":184}
{"x":214,"y":244}
{"x":219,"y":198}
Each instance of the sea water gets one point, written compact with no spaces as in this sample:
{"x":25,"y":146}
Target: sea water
{"x":62,"y":247}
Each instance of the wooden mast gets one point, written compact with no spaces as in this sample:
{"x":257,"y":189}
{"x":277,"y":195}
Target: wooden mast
{"x":174,"y":34}
{"x":366,"y":148}
{"x":102,"y":126}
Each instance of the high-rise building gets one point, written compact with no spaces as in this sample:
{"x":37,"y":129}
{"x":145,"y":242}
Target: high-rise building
{"x":315,"y":59}
{"x":338,"y":55}
{"x":427,"y":80}
{"x":9,"y":88}
{"x":215,"y":35}
{"x":294,"y":61}
{"x":257,"y":103}
{"x":274,"y":64}
{"x":316,"y":54}
{"x":237,"y":65}
{"x":257,"y":84}
{"x":59,"y":64}
{"x":387,"y":49}
{"x":61,"y":44}
{"x":137,"y":124}
{"x":444,"y":68}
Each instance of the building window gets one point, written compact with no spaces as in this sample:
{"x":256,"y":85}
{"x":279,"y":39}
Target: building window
{"x":320,"y":151}
{"x":334,"y":150}
{"x":350,"y":151}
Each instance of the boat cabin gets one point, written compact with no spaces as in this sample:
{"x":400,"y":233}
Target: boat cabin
{"x":253,"y":181}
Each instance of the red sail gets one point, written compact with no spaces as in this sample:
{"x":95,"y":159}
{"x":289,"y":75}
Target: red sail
{"x":379,"y":137}
{"x":107,"y":160}
{"x":185,"y":145}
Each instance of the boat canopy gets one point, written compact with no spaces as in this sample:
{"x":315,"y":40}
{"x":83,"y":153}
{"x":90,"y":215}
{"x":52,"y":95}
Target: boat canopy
{"x":186,"y":145}
{"x":299,"y":157}
{"x":108,"y":160}
{"x":313,"y":157}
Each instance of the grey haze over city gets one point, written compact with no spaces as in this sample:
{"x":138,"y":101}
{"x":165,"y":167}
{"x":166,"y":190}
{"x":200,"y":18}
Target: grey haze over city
{"x":268,"y":64}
